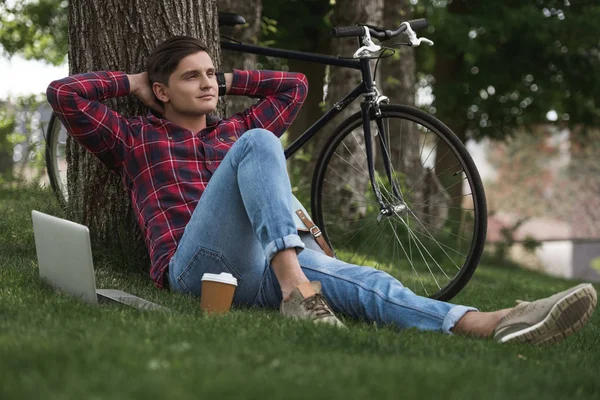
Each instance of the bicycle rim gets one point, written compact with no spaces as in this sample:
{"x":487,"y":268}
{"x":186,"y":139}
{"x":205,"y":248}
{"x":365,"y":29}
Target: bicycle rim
{"x":56,"y":158}
{"x":431,"y":233}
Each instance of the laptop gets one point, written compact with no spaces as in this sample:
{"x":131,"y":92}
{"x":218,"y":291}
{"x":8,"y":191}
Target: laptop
{"x":64,"y":256}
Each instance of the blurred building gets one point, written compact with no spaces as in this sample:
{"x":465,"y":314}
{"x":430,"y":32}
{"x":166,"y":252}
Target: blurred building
{"x":549,"y":179}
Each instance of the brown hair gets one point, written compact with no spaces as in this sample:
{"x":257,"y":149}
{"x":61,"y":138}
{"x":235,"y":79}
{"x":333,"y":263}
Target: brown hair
{"x":166,"y":57}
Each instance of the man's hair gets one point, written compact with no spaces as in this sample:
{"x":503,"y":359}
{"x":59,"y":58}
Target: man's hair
{"x":166,"y":57}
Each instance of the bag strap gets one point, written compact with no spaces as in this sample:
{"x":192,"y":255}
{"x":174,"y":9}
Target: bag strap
{"x":315,"y":232}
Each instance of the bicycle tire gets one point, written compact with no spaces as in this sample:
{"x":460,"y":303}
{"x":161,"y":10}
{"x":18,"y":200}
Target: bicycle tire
{"x":428,"y":124}
{"x":57,"y":181}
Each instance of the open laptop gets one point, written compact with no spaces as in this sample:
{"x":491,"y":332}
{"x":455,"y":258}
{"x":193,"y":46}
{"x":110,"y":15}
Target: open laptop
{"x":64,"y":256}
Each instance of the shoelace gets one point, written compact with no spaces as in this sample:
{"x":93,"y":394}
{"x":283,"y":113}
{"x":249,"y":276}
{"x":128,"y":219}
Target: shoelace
{"x":319,"y":305}
{"x":523,"y":307}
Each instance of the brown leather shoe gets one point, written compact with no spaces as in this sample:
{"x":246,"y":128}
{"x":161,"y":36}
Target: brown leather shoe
{"x":307,"y":302}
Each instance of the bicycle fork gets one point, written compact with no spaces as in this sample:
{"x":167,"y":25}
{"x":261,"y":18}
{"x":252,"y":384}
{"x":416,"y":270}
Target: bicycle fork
{"x":386,"y":210}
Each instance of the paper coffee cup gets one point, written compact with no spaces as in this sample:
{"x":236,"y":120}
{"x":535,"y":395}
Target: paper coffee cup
{"x":217,"y":292}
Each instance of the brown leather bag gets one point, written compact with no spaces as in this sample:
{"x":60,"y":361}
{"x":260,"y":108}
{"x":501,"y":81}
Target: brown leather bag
{"x":307,"y":230}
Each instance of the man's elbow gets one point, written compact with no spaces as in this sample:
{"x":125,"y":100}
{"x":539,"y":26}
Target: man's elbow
{"x":302,"y":87}
{"x":53,"y":91}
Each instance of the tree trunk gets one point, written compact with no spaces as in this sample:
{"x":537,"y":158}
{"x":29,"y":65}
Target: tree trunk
{"x":312,"y":109}
{"x":445,"y":72}
{"x":251,"y":10}
{"x":398,"y":72}
{"x":341,"y":82}
{"x":6,"y":164}
{"x":119,"y":35}
{"x":398,"y":79}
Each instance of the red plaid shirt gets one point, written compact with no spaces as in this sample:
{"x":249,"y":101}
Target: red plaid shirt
{"x":165,"y":167}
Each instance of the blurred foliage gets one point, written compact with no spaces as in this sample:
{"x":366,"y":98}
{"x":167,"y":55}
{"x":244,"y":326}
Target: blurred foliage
{"x":595,"y":264}
{"x":495,"y":65}
{"x":299,"y":24}
{"x":501,"y":64}
{"x":7,"y":127}
{"x":35,"y":29}
{"x":507,"y":233}
{"x":21,"y":140}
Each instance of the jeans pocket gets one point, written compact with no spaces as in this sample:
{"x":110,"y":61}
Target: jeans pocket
{"x":205,"y":261}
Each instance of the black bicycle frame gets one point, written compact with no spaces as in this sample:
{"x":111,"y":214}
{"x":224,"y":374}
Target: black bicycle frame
{"x":365,"y":87}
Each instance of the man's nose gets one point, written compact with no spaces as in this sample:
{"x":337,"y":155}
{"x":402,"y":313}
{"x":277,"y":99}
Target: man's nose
{"x":204,"y":82}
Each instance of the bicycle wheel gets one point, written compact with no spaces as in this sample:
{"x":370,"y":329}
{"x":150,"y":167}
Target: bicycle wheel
{"x":56,"y":158}
{"x":432,"y":232}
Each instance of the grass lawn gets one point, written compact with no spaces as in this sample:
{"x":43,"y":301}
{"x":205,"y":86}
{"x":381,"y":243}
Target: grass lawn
{"x":54,"y":347}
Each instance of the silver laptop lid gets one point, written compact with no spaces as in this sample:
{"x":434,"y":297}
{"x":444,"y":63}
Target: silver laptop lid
{"x":64,"y":255}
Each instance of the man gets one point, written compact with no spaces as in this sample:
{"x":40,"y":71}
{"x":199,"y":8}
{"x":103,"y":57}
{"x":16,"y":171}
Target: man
{"x":214,"y":196}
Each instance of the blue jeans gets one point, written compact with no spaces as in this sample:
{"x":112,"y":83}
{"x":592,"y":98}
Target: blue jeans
{"x":244,"y":218}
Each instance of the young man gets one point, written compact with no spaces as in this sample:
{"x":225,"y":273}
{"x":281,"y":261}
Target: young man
{"x":214,"y":196}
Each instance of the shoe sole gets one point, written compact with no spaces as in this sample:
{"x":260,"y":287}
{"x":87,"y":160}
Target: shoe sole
{"x":566,"y":317}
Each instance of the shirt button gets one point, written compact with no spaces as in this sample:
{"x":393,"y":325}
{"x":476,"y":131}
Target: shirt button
{"x":222,"y":140}
{"x":208,"y":162}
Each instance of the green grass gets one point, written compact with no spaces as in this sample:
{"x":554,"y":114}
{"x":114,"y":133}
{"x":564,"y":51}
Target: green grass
{"x":54,"y":347}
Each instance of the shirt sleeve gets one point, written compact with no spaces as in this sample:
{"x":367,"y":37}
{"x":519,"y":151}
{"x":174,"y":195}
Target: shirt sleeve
{"x":76,"y":101}
{"x":281,"y":93}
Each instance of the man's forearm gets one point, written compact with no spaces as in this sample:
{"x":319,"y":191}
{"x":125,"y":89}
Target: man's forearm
{"x":77,"y":102}
{"x":228,"y":81}
{"x":137,"y":82}
{"x":139,"y":86}
{"x":281,"y":94}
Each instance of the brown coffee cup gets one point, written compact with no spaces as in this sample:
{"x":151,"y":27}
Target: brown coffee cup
{"x":217,"y":292}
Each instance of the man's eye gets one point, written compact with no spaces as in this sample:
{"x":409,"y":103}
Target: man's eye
{"x":211,"y":74}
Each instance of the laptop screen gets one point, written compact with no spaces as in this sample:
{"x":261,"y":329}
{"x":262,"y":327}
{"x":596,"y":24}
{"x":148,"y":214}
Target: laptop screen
{"x":64,"y":255}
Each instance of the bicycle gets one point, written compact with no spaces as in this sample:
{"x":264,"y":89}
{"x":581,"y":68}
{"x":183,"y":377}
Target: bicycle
{"x":358,"y":196}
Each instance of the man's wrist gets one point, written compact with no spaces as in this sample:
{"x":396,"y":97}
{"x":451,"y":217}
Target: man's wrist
{"x":222,"y":84}
{"x":136,"y":81}
{"x":228,"y":81}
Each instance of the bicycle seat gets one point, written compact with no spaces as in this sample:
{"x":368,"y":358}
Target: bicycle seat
{"x":230,"y":19}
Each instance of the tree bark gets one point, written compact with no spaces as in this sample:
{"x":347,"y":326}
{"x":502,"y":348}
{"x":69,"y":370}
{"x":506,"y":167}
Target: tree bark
{"x":398,"y":79}
{"x":341,"y":81}
{"x":6,"y":164}
{"x":445,"y":72}
{"x":119,"y":35}
{"x":399,"y":71}
{"x":251,"y":10}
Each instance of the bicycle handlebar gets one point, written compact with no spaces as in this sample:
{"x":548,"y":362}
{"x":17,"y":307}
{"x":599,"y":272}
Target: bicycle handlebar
{"x":347,"y":31}
{"x":379,"y":33}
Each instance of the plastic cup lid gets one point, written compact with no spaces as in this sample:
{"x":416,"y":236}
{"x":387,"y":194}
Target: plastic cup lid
{"x":223,"y":277}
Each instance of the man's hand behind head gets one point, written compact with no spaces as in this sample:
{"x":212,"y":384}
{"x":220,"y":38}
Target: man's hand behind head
{"x":139,"y":85}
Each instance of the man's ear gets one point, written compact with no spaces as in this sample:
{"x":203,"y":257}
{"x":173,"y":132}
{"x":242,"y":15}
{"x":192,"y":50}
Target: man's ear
{"x":160,"y":92}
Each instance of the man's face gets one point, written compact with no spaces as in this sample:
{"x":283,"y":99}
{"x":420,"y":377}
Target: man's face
{"x":193,"y":88}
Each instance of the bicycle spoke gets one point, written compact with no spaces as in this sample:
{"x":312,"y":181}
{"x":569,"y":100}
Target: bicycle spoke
{"x":417,"y":242}
{"x":441,"y":244}
{"x":433,"y":204}
{"x":387,"y":152}
{"x":344,"y":199}
{"x":445,"y":219}
{"x":410,"y":260}
{"x":381,"y":250}
{"x":356,"y":169}
{"x":440,"y":230}
{"x":366,"y":256}
{"x":434,"y":175}
{"x":441,"y":248}
{"x":358,"y":193}
{"x":434,"y":238}
{"x":361,"y":245}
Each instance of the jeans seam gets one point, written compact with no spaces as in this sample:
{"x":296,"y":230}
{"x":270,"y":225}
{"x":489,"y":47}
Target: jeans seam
{"x":260,"y":286}
{"x":377,"y":292}
{"x":212,"y":254}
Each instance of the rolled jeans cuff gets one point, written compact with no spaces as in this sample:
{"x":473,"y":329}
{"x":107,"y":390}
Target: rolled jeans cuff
{"x":453,"y":316}
{"x":286,"y":242}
